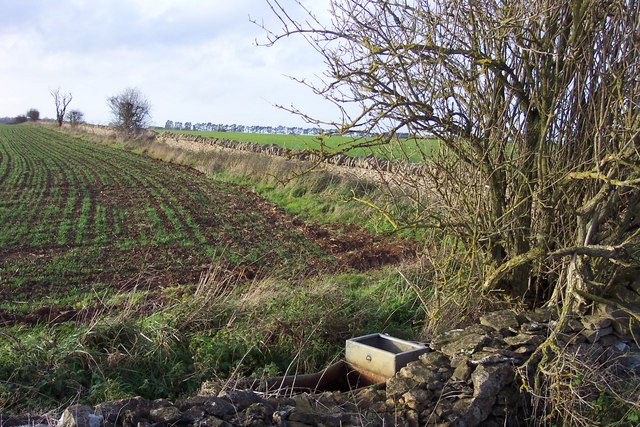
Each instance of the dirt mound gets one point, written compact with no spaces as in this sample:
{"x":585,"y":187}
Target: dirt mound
{"x":359,"y":249}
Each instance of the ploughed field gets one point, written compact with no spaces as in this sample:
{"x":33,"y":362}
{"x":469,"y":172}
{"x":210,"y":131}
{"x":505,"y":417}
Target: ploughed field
{"x":78,"y":219}
{"x":121,"y":275}
{"x":82,"y":224}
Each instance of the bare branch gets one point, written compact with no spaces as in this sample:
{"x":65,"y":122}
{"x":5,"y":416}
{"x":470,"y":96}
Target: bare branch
{"x":62,"y":101}
{"x":535,"y":108}
{"x":130,"y":110}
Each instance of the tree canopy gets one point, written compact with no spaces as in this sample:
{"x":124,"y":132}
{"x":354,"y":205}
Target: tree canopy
{"x":130,"y":110}
{"x":33,"y":115}
{"x":75,"y":117}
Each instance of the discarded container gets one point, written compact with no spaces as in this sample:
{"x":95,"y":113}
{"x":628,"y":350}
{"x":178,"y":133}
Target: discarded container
{"x":370,"y":361}
{"x":381,"y":355}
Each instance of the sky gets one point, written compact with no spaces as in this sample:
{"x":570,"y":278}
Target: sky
{"x":194,"y":60}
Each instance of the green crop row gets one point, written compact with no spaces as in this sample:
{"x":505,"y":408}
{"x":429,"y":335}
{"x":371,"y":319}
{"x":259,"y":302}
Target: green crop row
{"x":79,"y":214}
{"x":178,"y":278}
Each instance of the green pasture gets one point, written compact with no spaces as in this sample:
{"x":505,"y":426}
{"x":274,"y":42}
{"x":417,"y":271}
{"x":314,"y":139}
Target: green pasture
{"x":414,"y":149}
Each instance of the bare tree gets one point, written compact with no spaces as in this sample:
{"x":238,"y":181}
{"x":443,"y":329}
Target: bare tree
{"x":130,"y":110}
{"x":62,"y":101}
{"x":535,"y":105}
{"x":33,"y":115}
{"x":75,"y":117}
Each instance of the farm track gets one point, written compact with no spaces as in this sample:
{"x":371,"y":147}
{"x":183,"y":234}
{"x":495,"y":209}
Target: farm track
{"x":77,"y":217}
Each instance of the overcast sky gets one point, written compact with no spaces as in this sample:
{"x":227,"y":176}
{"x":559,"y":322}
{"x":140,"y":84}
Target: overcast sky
{"x":195,"y":60}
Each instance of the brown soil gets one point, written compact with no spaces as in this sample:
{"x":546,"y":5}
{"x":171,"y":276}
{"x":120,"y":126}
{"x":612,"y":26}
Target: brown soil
{"x":152,"y":268}
{"x":353,"y":248}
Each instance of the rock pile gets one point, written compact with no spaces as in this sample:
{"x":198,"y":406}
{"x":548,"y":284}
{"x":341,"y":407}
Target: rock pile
{"x":469,"y":378}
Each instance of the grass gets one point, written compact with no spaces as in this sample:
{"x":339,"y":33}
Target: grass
{"x":147,"y":329}
{"x":322,"y":197}
{"x":220,"y":329}
{"x":223,"y":326}
{"x":413,"y":149}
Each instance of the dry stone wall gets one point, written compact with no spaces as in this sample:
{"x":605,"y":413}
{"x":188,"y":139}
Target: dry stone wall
{"x":196,"y":143}
{"x":469,"y":378}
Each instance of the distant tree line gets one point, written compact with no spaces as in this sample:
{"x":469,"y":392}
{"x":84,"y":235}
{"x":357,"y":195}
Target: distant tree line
{"x":130,"y":110}
{"x":13,"y":120}
{"x":32,"y":114}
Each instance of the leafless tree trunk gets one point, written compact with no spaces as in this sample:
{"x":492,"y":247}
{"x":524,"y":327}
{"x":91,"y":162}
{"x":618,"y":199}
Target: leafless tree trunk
{"x":62,"y":101}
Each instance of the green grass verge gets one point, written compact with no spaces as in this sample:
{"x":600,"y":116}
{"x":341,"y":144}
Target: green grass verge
{"x":258,"y":328}
{"x":322,"y":196}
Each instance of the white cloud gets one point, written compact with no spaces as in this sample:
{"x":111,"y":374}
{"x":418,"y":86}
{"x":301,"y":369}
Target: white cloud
{"x":195,"y":60}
